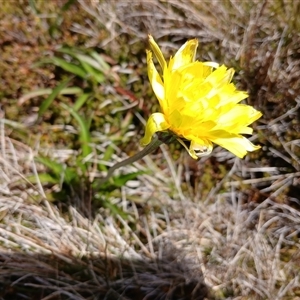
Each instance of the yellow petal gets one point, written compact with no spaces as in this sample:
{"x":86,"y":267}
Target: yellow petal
{"x":171,"y":80}
{"x":200,"y":150}
{"x":211,"y":64}
{"x":219,"y":78}
{"x":244,"y":130}
{"x":229,"y":94}
{"x":156,"y":81}
{"x":238,"y":118}
{"x":185,"y":55}
{"x":197,"y":148}
{"x":155,"y":123}
{"x":157,"y":52}
{"x":175,"y":118}
{"x":236,"y":144}
{"x":193,"y":155}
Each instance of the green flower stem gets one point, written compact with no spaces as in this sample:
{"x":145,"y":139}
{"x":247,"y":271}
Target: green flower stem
{"x":157,"y":141}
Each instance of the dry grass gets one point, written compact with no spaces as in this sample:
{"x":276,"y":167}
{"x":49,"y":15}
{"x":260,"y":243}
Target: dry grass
{"x":180,"y":247}
{"x":223,"y":228}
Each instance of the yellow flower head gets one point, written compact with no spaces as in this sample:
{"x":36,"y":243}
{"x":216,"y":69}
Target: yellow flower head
{"x":198,"y":103}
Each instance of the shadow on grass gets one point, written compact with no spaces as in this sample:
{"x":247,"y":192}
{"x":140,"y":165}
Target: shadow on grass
{"x":27,"y":276}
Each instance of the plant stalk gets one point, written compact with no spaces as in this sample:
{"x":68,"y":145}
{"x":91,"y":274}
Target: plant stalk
{"x":158,"y":140}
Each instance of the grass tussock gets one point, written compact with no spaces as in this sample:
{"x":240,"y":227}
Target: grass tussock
{"x":74,"y":97}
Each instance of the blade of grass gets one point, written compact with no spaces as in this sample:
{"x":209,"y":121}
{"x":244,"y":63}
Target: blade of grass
{"x":114,"y":209}
{"x":121,"y":180}
{"x":81,"y":101}
{"x":93,"y":72}
{"x":43,"y":178}
{"x":89,"y":60}
{"x":104,"y":67}
{"x":69,"y":67}
{"x":32,"y":4}
{"x":44,"y":106}
{"x":58,"y":169}
{"x":13,"y":124}
{"x":106,"y":157}
{"x":41,"y":92}
{"x":84,"y":134}
{"x":93,"y":59}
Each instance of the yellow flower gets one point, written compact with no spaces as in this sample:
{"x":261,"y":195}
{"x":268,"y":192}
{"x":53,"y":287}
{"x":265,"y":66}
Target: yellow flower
{"x":198,"y":103}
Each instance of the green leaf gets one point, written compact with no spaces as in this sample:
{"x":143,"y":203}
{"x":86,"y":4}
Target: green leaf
{"x":62,"y":172}
{"x":41,"y":92}
{"x":84,"y":134}
{"x":93,"y":63}
{"x":92,"y":72}
{"x":106,"y":157}
{"x":104,"y":66}
{"x":93,"y":59}
{"x":44,"y":106}
{"x":69,"y":67}
{"x":43,"y":178}
{"x":121,"y":180}
{"x":68,"y":50}
{"x":89,"y":60}
{"x":81,"y":101}
{"x":115,"y":209}
{"x":32,"y":4}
